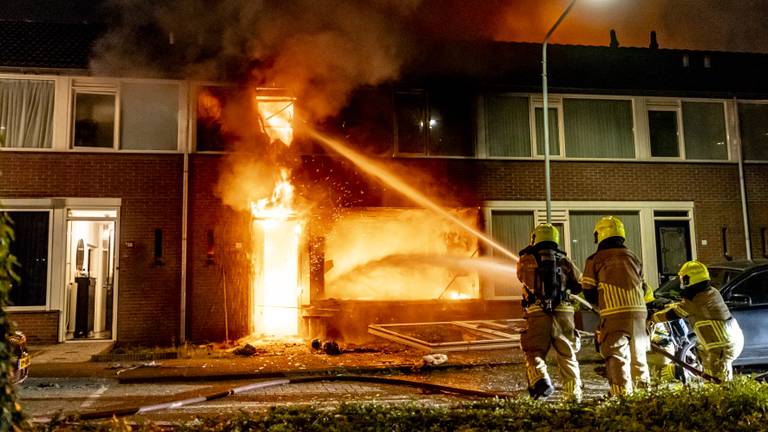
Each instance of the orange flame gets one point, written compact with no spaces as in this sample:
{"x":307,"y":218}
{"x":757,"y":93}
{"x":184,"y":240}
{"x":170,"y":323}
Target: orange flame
{"x":279,"y":206}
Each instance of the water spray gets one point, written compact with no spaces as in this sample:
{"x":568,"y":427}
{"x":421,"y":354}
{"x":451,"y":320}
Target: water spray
{"x":376,"y":170}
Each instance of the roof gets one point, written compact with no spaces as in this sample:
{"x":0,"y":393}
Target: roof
{"x":39,"y":45}
{"x":505,"y":66}
{"x":600,"y":69}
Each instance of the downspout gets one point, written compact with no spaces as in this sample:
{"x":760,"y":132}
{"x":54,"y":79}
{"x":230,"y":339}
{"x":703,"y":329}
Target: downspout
{"x":184,"y":208}
{"x":742,"y":186}
{"x":184,"y":223}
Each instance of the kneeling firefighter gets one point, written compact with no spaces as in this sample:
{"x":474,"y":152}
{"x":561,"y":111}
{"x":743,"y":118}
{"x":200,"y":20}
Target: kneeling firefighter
{"x":718,"y":335}
{"x":548,"y":277}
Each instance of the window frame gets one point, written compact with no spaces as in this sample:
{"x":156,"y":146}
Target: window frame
{"x":647,"y":227}
{"x":47,"y":306}
{"x":95,"y":87}
{"x":728,"y":123}
{"x":737,"y":126}
{"x":666,"y":106}
{"x":56,"y":121}
{"x":553,"y":102}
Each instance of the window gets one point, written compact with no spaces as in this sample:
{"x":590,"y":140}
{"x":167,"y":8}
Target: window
{"x":554,"y":131}
{"x":513,"y":230}
{"x":438,"y":125}
{"x":704,"y":130}
{"x":26,"y":113}
{"x":507,"y":126}
{"x":662,"y":128}
{"x":755,"y":287}
{"x":94,"y":120}
{"x":753,"y":122}
{"x":149,"y":116}
{"x":598,"y":128}
{"x":31,"y":249}
{"x":582,"y":226}
{"x":366,"y":122}
{"x":226,"y":117}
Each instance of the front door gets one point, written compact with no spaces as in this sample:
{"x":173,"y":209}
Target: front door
{"x":90,"y":263}
{"x":673,"y":247}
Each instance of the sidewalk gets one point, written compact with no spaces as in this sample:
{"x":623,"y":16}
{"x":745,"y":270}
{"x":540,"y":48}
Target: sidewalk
{"x":277,"y":360}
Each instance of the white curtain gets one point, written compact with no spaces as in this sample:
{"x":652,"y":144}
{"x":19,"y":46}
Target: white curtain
{"x":583,"y":239}
{"x":26,"y":113}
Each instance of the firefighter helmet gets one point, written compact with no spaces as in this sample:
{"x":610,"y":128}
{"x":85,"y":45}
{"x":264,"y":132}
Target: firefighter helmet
{"x":693,"y":272}
{"x":609,"y":226}
{"x":545,"y":232}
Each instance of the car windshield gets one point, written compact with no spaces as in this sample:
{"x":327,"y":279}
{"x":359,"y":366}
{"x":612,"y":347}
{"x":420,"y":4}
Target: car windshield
{"x":720,"y":276}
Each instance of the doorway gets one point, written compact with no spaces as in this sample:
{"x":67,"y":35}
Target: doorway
{"x":90,"y":262}
{"x":673,"y":247}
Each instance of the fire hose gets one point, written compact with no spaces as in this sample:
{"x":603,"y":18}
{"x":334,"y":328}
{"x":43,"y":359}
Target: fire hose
{"x":122,"y":412}
{"x":656,"y":348}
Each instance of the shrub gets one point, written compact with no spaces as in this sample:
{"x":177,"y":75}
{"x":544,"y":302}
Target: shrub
{"x":10,"y":412}
{"x":738,"y":406}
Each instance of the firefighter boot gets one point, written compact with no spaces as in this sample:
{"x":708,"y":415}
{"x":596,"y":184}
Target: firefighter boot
{"x":541,"y":389}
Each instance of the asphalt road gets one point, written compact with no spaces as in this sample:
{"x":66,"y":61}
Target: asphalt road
{"x":44,"y":398}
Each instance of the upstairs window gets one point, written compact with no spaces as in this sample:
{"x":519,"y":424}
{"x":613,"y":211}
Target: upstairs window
{"x":438,"y":124}
{"x":125,"y":115}
{"x":704,"y":130}
{"x":753,"y":122}
{"x":663,"y":132}
{"x":507,"y":126}
{"x":26,"y":113}
{"x":598,"y":128}
{"x":94,"y":120}
{"x":554,"y":130}
{"x":149,"y":116}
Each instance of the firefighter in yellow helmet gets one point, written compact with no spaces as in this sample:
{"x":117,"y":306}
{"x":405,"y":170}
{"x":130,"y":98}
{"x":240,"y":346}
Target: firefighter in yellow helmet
{"x":548,"y":276}
{"x":613,"y":278}
{"x":718,"y":335}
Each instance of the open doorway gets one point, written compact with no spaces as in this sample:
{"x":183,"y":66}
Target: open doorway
{"x":90,"y":263}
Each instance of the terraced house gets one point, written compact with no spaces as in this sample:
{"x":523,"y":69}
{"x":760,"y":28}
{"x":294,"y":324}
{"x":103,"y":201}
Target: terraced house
{"x":122,"y":233}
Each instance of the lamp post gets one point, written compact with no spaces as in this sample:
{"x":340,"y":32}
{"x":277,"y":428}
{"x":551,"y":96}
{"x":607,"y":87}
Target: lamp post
{"x":546,"y":107}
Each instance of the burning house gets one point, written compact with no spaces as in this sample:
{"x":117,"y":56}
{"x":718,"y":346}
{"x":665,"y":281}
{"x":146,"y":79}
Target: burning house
{"x":318,"y":183}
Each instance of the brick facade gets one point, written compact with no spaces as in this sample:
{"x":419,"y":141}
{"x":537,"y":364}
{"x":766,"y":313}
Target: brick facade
{"x":39,"y":327}
{"x":150,"y":187}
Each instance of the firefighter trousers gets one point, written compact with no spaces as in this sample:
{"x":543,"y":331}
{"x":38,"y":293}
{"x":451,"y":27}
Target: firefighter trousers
{"x":624,"y":347}
{"x":552,"y":330}
{"x":718,"y":361}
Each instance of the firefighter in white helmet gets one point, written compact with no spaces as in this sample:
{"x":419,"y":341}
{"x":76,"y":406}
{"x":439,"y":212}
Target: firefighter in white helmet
{"x":548,"y":277}
{"x":613,"y":278}
{"x":719,"y":340}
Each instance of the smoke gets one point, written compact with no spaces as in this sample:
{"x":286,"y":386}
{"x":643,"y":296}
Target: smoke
{"x":318,"y":50}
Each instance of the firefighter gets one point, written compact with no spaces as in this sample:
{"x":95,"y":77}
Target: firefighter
{"x":548,"y":276}
{"x":613,"y":278}
{"x":718,"y":335}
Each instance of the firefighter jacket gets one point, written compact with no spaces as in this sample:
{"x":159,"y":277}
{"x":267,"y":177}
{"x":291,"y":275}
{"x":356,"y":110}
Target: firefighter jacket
{"x":526,"y":273}
{"x":613,"y":277}
{"x":706,"y":313}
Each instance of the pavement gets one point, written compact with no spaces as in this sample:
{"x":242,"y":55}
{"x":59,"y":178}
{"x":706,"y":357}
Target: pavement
{"x":72,"y":360}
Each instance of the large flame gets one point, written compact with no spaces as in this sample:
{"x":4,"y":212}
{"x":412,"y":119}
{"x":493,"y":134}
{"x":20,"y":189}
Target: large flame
{"x":276,"y":238}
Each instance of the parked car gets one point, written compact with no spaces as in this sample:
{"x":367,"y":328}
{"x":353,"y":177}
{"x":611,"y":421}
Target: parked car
{"x":21,"y":357}
{"x":744,"y":286}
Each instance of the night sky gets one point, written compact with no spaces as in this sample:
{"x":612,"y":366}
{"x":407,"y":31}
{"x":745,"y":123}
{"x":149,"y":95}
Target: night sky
{"x":731,"y":25}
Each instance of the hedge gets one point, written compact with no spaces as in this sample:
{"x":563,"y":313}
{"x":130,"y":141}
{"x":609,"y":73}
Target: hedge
{"x":738,"y":406}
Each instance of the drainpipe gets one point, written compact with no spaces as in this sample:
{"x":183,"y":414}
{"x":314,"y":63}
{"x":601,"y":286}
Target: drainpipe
{"x":742,"y":187}
{"x":184,"y":223}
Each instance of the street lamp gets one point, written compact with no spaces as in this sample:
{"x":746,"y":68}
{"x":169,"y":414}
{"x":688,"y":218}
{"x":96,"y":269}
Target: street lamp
{"x":546,"y":107}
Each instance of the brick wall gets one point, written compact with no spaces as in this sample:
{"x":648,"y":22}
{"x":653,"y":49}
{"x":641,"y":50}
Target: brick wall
{"x":39,"y":327}
{"x":756,"y":181}
{"x":150,"y":187}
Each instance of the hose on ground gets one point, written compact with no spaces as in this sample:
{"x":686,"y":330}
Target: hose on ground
{"x":122,"y":412}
